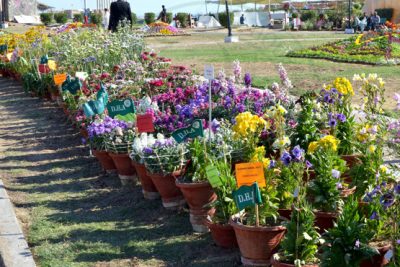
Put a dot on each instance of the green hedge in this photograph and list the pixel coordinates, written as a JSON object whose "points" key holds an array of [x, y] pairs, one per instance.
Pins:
{"points": [[222, 17], [386, 13], [308, 15], [61, 17], [96, 18], [78, 17], [149, 17], [134, 18], [183, 19], [169, 17], [46, 18]]}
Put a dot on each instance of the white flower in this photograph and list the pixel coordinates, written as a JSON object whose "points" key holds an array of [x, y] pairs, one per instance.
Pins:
{"points": [[118, 131]]}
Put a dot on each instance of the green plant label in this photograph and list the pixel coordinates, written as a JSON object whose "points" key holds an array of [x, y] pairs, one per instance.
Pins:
{"points": [[120, 107], [98, 106], [193, 131], [3, 48], [71, 85], [44, 59], [247, 196], [212, 174]]}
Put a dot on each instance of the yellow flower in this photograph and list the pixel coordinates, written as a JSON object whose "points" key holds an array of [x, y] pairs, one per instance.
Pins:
{"points": [[246, 124], [383, 169], [343, 85], [281, 109], [259, 156], [371, 149], [312, 147], [329, 141]]}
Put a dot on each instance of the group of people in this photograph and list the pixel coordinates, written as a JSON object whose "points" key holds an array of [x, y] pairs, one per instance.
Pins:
{"points": [[368, 23]]}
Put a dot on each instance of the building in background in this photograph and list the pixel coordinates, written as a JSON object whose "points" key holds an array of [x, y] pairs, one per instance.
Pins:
{"points": [[371, 5], [11, 8]]}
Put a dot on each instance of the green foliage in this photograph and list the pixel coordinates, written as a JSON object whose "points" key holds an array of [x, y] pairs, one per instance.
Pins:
{"points": [[96, 18], [61, 17], [268, 210], [386, 13], [301, 239], [169, 17], [346, 244], [306, 130], [308, 15], [225, 205], [295, 15], [287, 181], [149, 17], [46, 18], [134, 18], [183, 19], [78, 17], [223, 18], [200, 160]]}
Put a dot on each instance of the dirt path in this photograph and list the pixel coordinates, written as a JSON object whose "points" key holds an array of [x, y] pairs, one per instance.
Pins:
{"points": [[72, 214]]}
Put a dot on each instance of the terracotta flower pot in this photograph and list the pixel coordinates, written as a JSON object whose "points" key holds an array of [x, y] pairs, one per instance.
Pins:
{"points": [[351, 160], [105, 160], [324, 220], [126, 171], [148, 188], [285, 213], [171, 196], [377, 260], [223, 235], [276, 263], [257, 244], [197, 195]]}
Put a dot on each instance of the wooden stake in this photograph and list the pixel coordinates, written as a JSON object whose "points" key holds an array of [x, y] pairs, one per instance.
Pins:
{"points": [[257, 217]]}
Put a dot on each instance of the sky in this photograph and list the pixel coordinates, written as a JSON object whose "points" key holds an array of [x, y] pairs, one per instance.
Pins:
{"points": [[142, 6]]}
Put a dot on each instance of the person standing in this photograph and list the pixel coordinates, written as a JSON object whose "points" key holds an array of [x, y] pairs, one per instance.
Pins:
{"points": [[163, 15], [119, 11], [242, 19], [375, 20], [106, 18]]}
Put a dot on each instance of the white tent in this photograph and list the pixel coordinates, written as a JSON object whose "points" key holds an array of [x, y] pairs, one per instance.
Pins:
{"points": [[260, 19], [208, 22]]}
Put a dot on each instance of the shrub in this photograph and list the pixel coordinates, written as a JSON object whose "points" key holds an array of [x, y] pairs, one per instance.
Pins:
{"points": [[183, 19], [78, 17], [295, 16], [386, 13], [169, 17], [96, 18], [224, 20], [308, 15], [149, 17], [134, 18], [61, 17], [308, 25], [46, 18]]}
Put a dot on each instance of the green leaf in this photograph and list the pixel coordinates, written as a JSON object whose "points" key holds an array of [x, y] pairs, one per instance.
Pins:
{"points": [[307, 236]]}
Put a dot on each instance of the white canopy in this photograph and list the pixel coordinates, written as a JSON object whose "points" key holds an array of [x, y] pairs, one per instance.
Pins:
{"points": [[208, 22]]}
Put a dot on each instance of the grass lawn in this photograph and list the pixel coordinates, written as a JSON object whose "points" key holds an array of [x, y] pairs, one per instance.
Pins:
{"points": [[260, 51]]}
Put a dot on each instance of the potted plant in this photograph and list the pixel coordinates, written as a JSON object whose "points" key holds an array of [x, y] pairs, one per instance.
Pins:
{"points": [[300, 245], [221, 231], [139, 143], [324, 191], [118, 145], [195, 187], [258, 229], [97, 133], [383, 211], [346, 244], [164, 159]]}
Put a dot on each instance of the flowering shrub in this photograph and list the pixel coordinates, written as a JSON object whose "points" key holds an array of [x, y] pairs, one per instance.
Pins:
{"points": [[100, 129]]}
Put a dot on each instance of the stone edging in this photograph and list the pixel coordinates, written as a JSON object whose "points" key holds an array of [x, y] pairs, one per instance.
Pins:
{"points": [[14, 249]]}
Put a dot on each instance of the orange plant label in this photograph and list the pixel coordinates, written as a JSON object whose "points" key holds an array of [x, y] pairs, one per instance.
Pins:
{"points": [[60, 78], [249, 173]]}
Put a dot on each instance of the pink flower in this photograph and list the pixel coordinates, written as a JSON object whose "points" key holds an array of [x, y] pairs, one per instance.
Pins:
{"points": [[397, 98]]}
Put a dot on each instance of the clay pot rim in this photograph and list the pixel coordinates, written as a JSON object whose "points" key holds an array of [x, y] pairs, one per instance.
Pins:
{"points": [[260, 228], [326, 214], [118, 155], [181, 184], [221, 225], [273, 260]]}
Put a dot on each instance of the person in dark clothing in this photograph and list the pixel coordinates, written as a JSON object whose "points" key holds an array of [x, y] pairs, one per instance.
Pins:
{"points": [[119, 11], [242, 19], [163, 15]]}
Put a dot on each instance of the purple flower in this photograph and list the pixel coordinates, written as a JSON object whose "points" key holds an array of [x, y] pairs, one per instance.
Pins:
{"points": [[327, 98], [357, 244], [247, 79], [398, 241], [83, 140], [397, 189], [272, 164], [335, 174], [374, 216], [297, 153], [286, 158], [147, 150], [215, 124], [308, 164], [341, 117], [339, 186], [387, 200], [332, 122]]}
